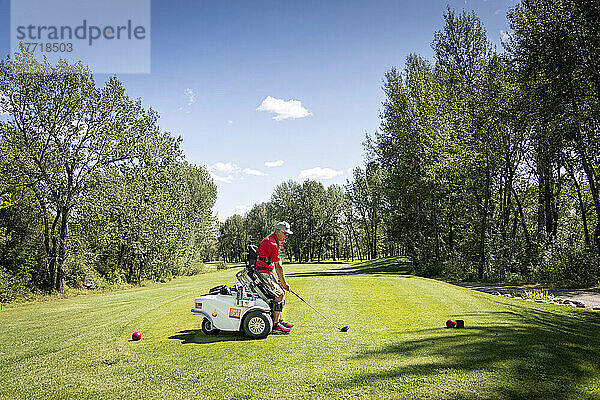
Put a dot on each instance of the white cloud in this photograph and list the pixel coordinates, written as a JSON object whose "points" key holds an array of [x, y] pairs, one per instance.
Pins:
{"points": [[233, 172], [273, 164], [255, 172], [283, 109], [241, 209], [224, 179], [230, 122], [318, 173], [190, 95], [226, 167]]}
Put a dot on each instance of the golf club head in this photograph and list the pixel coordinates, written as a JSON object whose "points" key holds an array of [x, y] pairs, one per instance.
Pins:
{"points": [[344, 329]]}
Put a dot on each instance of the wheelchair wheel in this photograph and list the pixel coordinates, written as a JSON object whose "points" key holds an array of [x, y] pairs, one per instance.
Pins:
{"points": [[208, 327], [257, 325]]}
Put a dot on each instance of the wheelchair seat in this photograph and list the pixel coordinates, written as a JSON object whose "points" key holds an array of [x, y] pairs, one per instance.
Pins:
{"points": [[251, 276]]}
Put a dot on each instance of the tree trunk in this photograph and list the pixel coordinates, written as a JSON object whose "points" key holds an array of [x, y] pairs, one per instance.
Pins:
{"points": [[358, 249], [351, 244], [541, 171], [139, 270], [120, 258], [587, 167], [54, 263], [482, 248], [319, 249], [591, 177], [436, 232], [62, 249], [365, 225], [52, 255], [581, 205], [522, 218], [548, 202], [451, 232], [506, 203], [47, 262], [131, 266], [374, 227]]}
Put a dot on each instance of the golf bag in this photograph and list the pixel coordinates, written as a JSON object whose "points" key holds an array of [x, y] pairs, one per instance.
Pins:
{"points": [[221, 289], [251, 277], [251, 256]]}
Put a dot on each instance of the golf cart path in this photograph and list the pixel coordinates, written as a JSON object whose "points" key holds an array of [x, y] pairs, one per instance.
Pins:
{"points": [[590, 298]]}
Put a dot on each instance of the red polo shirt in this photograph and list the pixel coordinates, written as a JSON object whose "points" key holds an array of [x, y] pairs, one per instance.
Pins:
{"points": [[268, 247]]}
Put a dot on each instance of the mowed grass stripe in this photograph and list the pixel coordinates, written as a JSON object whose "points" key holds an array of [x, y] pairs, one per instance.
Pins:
{"points": [[397, 346], [86, 318], [504, 339]]}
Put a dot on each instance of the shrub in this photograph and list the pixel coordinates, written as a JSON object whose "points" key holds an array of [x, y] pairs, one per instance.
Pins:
{"points": [[13, 286], [193, 269], [537, 295], [566, 264]]}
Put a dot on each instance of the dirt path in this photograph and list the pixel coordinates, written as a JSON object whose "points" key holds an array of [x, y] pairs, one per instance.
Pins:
{"points": [[591, 299]]}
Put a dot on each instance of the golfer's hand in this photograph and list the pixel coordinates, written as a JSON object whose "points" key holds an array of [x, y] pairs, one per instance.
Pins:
{"points": [[285, 286]]}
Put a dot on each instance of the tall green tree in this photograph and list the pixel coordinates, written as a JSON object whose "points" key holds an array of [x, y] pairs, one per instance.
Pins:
{"points": [[555, 48], [259, 222], [286, 202], [148, 222], [465, 57], [62, 132], [366, 195], [233, 239]]}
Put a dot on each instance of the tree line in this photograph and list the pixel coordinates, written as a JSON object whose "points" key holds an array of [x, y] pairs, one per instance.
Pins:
{"points": [[329, 223], [486, 164], [92, 191], [490, 160]]}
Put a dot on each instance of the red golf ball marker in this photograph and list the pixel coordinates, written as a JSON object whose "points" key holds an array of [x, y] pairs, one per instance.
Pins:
{"points": [[450, 323], [136, 336]]}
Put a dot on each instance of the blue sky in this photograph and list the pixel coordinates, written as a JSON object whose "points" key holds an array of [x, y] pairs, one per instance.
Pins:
{"points": [[213, 63]]}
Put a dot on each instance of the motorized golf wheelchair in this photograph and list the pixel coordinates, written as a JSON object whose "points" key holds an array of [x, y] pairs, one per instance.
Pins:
{"points": [[244, 307]]}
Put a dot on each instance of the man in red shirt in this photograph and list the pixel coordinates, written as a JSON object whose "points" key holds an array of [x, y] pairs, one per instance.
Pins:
{"points": [[269, 259]]}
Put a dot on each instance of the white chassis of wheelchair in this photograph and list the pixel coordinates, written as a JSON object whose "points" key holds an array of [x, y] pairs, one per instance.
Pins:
{"points": [[243, 307]]}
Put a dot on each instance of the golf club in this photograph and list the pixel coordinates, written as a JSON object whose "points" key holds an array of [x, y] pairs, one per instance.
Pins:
{"points": [[342, 329]]}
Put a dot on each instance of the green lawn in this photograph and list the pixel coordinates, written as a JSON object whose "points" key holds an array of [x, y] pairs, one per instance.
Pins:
{"points": [[397, 346]]}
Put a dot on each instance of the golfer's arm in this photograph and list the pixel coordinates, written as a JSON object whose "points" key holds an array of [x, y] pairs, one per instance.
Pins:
{"points": [[279, 271]]}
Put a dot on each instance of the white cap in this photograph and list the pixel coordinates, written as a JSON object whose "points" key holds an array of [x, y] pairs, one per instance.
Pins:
{"points": [[283, 226]]}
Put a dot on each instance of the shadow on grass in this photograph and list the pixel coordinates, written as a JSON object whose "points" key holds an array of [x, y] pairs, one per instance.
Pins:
{"points": [[199, 337], [530, 353], [382, 266]]}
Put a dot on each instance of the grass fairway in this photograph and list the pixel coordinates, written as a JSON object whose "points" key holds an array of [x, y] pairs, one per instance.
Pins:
{"points": [[397, 346]]}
